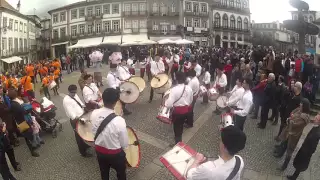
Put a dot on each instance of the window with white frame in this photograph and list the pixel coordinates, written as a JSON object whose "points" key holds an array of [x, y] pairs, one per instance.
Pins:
{"points": [[189, 23], [62, 32], [74, 14], [81, 29], [55, 34], [4, 43], [196, 23], [173, 7], [106, 9], [127, 24], [21, 27], [25, 28], [204, 23], [142, 7], [143, 24], [107, 26], [188, 6], [5, 21], [155, 8], [10, 24], [81, 12], [127, 8], [163, 9], [173, 26], [155, 26], [89, 28], [203, 7], [135, 7], [10, 44], [62, 16], [196, 7], [135, 24], [89, 11], [98, 10], [115, 26], [115, 8], [74, 30], [98, 28], [55, 18], [16, 25], [164, 29]]}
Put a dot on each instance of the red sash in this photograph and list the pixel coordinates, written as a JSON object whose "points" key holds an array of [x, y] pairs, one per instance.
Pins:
{"points": [[181, 109]]}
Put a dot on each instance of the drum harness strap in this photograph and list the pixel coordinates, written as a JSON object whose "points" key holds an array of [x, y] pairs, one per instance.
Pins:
{"points": [[125, 70], [104, 123], [235, 169]]}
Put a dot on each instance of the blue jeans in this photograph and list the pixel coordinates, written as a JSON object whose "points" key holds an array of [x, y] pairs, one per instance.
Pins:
{"points": [[36, 140]]}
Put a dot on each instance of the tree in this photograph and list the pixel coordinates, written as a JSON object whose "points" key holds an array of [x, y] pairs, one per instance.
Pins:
{"points": [[262, 38]]}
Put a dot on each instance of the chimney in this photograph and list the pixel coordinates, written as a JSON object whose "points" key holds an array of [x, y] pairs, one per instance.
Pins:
{"points": [[18, 6]]}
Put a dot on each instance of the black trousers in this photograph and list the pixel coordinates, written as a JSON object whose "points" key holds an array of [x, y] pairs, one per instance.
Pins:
{"points": [[275, 113], [125, 110], [115, 161], [46, 92], [12, 157], [239, 121], [283, 118], [190, 118], [4, 168], [178, 121], [82, 146], [264, 115], [151, 94]]}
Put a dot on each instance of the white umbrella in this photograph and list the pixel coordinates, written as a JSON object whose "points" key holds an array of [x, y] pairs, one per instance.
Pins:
{"points": [[130, 44], [183, 41], [166, 41], [147, 42]]}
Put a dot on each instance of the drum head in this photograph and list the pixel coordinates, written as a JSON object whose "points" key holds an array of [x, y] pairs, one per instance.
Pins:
{"points": [[159, 80], [129, 92], [85, 129], [221, 101], [118, 109], [133, 152], [139, 82]]}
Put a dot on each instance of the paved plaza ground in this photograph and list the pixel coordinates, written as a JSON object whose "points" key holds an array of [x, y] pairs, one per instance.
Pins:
{"points": [[60, 160]]}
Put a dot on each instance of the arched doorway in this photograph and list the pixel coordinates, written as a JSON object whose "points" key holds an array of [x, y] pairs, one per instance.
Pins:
{"points": [[217, 40]]}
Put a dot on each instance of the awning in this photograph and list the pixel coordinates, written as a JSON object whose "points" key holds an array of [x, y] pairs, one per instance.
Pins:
{"points": [[173, 38], [90, 42], [12, 59], [134, 38], [114, 40], [57, 44], [244, 43]]}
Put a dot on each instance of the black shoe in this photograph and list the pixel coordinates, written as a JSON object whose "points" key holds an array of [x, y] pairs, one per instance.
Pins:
{"points": [[87, 155], [260, 126], [18, 167], [291, 178], [149, 101], [187, 126], [35, 154], [127, 113], [270, 119], [42, 142], [254, 117], [172, 145], [274, 123]]}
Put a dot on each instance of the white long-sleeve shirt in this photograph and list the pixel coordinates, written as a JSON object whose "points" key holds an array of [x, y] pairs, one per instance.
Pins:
{"points": [[72, 108], [175, 58], [215, 170], [90, 92], [221, 81], [112, 80], [114, 135], [244, 104], [235, 95], [198, 68], [206, 78], [123, 73], [176, 92], [195, 85], [156, 67]]}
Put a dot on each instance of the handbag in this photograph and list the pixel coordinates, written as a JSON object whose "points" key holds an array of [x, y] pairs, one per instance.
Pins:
{"points": [[23, 126]]}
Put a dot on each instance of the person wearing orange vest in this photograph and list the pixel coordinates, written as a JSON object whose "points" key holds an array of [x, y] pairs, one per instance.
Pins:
{"points": [[30, 72], [43, 71], [26, 82], [11, 82], [45, 85], [52, 78]]}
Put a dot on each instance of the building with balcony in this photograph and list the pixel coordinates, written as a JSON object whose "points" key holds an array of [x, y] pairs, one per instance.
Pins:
{"points": [[231, 23], [164, 19], [196, 21], [85, 24], [281, 39], [45, 38], [17, 35], [310, 40]]}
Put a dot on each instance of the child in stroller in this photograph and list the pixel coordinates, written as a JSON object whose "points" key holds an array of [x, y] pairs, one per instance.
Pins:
{"points": [[45, 113]]}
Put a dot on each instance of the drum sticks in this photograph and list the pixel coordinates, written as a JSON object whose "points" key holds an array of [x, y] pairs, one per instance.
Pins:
{"points": [[135, 143]]}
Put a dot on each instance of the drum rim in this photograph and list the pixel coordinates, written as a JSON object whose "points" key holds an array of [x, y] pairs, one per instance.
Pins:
{"points": [[139, 149], [77, 126], [164, 83], [121, 108], [136, 76], [138, 94], [220, 98]]}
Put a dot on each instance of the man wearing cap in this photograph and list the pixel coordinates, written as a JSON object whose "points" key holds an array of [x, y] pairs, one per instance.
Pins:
{"points": [[111, 136], [114, 79], [228, 165]]}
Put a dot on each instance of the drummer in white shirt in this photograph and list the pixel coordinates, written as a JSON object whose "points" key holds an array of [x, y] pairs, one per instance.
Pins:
{"points": [[243, 105], [111, 136], [228, 165], [195, 86], [156, 67], [74, 109], [206, 82], [123, 71], [195, 65], [220, 83], [91, 93], [180, 99], [236, 93], [115, 77]]}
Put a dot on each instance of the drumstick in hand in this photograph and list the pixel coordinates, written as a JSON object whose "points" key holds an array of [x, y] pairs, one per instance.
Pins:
{"points": [[135, 143]]}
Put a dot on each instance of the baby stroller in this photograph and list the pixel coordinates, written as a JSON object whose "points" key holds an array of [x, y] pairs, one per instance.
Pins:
{"points": [[45, 113]]}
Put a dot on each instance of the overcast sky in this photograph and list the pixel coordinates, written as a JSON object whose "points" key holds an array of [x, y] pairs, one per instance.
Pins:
{"points": [[262, 10]]}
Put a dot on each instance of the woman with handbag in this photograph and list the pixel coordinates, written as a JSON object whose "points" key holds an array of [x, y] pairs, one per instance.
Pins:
{"points": [[24, 127]]}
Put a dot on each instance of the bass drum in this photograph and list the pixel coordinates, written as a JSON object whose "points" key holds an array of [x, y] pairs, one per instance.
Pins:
{"points": [[164, 114], [129, 92], [161, 83], [138, 81], [213, 94], [133, 154]]}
